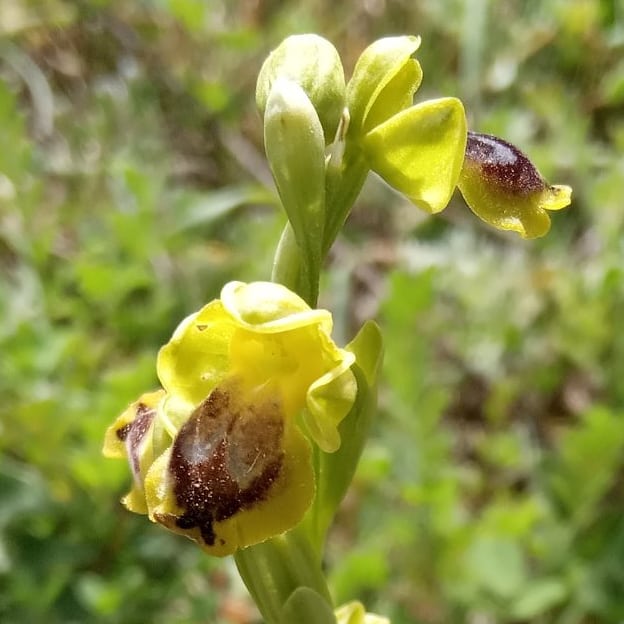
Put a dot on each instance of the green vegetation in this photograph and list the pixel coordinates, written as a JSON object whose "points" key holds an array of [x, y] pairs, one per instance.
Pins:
{"points": [[133, 185]]}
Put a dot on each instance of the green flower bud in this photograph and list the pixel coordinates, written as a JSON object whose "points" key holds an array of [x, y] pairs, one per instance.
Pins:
{"points": [[314, 64], [503, 187], [293, 139]]}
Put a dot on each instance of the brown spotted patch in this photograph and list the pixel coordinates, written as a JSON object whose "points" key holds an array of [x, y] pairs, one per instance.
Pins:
{"points": [[122, 432], [503, 164], [224, 460]]}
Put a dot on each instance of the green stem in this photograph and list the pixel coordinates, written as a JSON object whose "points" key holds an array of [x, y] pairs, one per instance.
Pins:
{"points": [[287, 260], [343, 184], [283, 574], [290, 269], [274, 569]]}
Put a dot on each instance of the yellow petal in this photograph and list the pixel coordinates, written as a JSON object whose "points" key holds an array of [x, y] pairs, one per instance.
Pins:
{"points": [[385, 63], [196, 358], [329, 400], [354, 613], [267, 307], [420, 151]]}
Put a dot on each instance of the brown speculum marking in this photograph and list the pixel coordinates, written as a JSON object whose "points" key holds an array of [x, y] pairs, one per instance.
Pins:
{"points": [[224, 460], [503, 164]]}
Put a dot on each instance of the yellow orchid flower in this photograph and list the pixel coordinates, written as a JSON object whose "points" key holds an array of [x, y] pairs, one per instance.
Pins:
{"points": [[222, 454]]}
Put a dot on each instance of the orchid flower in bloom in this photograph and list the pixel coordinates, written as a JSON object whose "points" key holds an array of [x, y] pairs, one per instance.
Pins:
{"points": [[222, 454], [425, 150]]}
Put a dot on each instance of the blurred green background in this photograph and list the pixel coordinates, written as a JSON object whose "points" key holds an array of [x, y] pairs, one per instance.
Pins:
{"points": [[133, 185]]}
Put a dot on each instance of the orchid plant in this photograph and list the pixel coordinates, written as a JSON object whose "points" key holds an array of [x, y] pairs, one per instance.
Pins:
{"points": [[252, 441]]}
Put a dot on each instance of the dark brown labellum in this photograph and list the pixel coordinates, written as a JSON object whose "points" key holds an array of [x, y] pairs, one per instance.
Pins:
{"points": [[503, 164], [225, 459]]}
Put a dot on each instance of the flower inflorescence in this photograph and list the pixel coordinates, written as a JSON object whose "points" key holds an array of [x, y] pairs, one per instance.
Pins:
{"points": [[251, 443]]}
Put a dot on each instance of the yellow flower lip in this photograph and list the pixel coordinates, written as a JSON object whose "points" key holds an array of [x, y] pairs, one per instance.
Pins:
{"points": [[132, 436], [556, 197], [503, 187], [224, 460], [129, 429], [236, 473]]}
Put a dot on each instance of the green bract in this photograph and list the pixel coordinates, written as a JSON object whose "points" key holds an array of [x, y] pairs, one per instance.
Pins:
{"points": [[223, 453], [334, 471], [314, 64]]}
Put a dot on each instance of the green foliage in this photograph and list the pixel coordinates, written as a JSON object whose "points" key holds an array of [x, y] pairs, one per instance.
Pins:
{"points": [[131, 189]]}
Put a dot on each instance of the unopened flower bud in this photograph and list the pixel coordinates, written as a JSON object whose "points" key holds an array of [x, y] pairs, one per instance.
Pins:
{"points": [[314, 64], [293, 141]]}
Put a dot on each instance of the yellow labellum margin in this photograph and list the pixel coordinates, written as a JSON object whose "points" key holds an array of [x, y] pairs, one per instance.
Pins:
{"points": [[225, 458], [236, 474]]}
